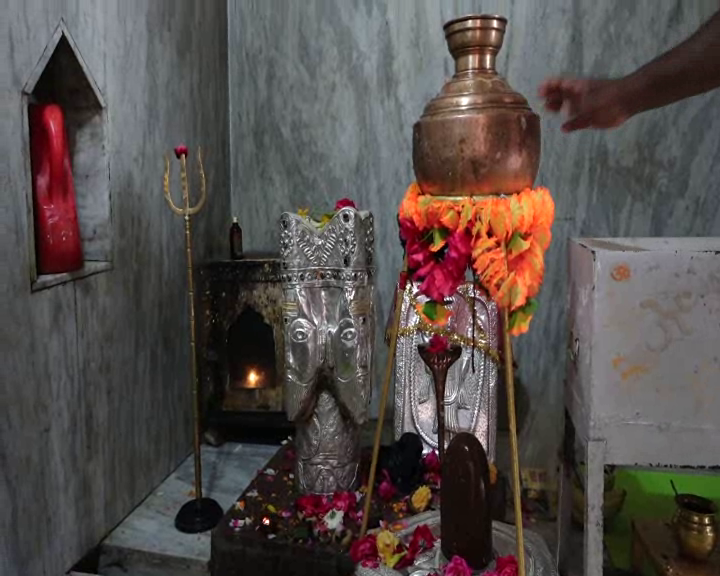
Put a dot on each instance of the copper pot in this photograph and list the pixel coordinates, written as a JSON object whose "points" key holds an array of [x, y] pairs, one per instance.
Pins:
{"points": [[695, 526], [478, 136]]}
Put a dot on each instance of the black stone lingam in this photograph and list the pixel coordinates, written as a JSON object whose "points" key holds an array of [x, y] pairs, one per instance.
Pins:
{"points": [[465, 513], [403, 462]]}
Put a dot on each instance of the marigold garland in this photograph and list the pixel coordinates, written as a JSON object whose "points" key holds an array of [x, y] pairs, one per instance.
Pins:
{"points": [[502, 238]]}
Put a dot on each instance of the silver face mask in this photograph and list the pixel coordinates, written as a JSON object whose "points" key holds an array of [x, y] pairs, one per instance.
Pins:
{"points": [[471, 386], [328, 316]]}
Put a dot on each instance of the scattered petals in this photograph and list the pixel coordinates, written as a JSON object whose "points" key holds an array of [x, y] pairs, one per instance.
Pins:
{"points": [[387, 542], [364, 551], [386, 490], [506, 566], [237, 523], [333, 520], [421, 498], [457, 567], [431, 461]]}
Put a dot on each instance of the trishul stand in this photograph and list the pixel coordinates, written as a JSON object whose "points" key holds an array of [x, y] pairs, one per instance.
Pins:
{"points": [[200, 514]]}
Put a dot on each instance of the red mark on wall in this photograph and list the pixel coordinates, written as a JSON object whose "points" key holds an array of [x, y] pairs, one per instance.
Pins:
{"points": [[621, 273]]}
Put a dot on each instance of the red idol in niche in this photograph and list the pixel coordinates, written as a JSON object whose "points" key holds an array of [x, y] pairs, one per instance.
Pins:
{"points": [[57, 234]]}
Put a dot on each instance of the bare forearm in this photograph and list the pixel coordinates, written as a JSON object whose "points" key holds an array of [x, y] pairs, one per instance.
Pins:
{"points": [[689, 69]]}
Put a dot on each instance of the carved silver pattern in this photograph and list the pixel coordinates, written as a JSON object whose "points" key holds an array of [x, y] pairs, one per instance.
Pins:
{"points": [[538, 560], [470, 396], [328, 317]]}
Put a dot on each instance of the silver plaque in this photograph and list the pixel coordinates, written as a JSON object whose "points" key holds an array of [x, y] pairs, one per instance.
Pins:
{"points": [[471, 387]]}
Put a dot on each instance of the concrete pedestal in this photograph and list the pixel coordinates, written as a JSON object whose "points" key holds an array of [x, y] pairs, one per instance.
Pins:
{"points": [[643, 381]]}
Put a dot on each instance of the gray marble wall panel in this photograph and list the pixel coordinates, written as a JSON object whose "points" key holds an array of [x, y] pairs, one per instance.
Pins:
{"points": [[323, 95], [94, 383]]}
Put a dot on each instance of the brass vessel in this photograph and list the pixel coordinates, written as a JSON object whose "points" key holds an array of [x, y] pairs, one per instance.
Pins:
{"points": [[478, 136], [695, 526]]}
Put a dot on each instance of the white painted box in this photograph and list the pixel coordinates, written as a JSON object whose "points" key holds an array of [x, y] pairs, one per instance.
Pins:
{"points": [[644, 348]]}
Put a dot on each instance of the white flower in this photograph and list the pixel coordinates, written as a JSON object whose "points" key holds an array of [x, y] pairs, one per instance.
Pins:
{"points": [[252, 494], [270, 472], [334, 520]]}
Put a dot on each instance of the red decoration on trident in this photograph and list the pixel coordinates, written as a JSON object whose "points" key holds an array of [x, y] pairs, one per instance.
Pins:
{"points": [[57, 234]]}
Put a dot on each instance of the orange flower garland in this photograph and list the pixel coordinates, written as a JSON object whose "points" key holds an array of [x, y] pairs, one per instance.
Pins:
{"points": [[507, 235]]}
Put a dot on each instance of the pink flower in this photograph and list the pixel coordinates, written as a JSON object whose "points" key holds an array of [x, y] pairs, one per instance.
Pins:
{"points": [[364, 551], [506, 566], [387, 489], [422, 539], [312, 505], [437, 344], [438, 283], [459, 251], [344, 501], [433, 479], [418, 252], [431, 461], [457, 567], [181, 151], [344, 203]]}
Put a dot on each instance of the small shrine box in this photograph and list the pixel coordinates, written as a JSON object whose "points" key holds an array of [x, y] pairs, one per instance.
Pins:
{"points": [[644, 349]]}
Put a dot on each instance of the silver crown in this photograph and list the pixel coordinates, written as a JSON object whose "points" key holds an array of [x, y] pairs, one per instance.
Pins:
{"points": [[339, 252]]}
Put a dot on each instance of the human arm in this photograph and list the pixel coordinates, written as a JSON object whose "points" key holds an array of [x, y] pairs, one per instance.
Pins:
{"points": [[689, 69]]}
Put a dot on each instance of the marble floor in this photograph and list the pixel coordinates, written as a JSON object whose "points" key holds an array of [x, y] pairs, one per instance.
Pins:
{"points": [[146, 543]]}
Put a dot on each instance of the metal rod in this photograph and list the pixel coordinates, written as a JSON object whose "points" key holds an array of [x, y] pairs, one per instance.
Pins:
{"points": [[383, 402], [510, 384]]}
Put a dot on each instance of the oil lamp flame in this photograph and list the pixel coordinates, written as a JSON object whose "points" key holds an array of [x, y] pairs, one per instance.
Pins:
{"points": [[254, 379]]}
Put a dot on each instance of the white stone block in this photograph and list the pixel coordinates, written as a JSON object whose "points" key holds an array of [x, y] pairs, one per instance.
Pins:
{"points": [[644, 348]]}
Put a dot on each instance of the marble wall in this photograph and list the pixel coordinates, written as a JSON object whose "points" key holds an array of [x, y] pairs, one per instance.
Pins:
{"points": [[94, 379], [323, 95]]}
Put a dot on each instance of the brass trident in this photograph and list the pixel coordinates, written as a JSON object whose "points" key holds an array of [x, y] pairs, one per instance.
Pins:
{"points": [[186, 211]]}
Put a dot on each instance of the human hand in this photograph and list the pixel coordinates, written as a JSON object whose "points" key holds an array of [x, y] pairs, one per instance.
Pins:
{"points": [[587, 103]]}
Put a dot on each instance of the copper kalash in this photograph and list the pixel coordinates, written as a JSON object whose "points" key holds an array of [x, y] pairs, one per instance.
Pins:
{"points": [[327, 279], [478, 136]]}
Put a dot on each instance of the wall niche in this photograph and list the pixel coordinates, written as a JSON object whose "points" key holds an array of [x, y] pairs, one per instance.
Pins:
{"points": [[62, 77]]}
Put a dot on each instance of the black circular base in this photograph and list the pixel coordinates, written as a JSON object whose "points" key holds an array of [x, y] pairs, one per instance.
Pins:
{"points": [[198, 516]]}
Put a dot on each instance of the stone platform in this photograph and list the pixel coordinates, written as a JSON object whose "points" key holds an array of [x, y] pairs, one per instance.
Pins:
{"points": [[146, 543]]}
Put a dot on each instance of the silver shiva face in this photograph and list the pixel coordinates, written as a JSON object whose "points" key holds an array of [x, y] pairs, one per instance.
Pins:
{"points": [[329, 328]]}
